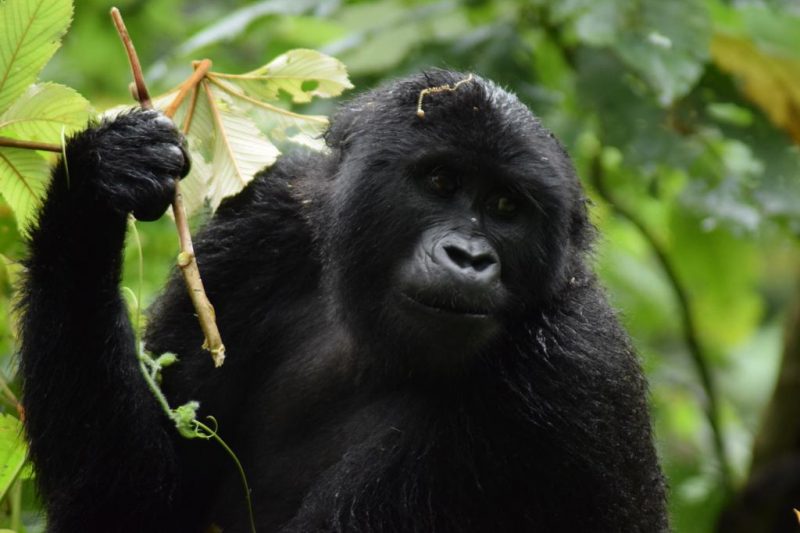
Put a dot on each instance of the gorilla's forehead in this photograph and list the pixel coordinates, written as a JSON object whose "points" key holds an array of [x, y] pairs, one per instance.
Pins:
{"points": [[478, 119]]}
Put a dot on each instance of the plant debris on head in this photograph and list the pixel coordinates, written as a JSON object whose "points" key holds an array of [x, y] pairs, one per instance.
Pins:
{"points": [[440, 89]]}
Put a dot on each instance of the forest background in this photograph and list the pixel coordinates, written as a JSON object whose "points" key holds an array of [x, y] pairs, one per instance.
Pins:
{"points": [[683, 119]]}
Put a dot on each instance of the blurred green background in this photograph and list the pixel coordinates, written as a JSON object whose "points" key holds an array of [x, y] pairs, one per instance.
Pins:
{"points": [[683, 119]]}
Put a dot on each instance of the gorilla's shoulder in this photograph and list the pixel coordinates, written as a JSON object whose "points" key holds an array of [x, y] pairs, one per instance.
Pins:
{"points": [[274, 191]]}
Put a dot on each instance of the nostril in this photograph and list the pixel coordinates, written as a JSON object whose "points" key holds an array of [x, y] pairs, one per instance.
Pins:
{"points": [[465, 260], [482, 262], [458, 256]]}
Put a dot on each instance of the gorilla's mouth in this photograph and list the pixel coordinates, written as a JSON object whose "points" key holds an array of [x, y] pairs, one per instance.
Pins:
{"points": [[450, 307]]}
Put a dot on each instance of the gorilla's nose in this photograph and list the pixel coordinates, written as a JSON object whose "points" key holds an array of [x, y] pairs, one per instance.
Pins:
{"points": [[471, 259]]}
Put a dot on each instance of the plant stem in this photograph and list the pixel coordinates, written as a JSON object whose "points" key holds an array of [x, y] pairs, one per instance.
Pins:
{"points": [[11, 398], [200, 70], [690, 334], [16, 505], [29, 145], [141, 89], [186, 259], [213, 434]]}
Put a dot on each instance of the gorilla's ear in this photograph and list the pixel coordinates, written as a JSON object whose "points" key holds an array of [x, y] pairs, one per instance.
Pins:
{"points": [[346, 124]]}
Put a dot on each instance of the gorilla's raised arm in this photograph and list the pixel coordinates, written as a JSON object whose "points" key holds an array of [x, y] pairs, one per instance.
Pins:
{"points": [[92, 423]]}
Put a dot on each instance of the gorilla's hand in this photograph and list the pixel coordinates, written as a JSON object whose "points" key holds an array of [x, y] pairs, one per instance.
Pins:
{"points": [[130, 163]]}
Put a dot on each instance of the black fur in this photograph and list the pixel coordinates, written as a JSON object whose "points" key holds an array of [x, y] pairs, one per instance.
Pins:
{"points": [[510, 402]]}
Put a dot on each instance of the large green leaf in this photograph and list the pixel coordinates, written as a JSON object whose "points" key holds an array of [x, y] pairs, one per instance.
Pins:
{"points": [[13, 451], [23, 178], [279, 124], [665, 42], [43, 112], [194, 187], [240, 151], [30, 33], [303, 74]]}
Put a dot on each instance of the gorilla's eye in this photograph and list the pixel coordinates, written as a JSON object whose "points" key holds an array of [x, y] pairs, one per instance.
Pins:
{"points": [[442, 184], [503, 205]]}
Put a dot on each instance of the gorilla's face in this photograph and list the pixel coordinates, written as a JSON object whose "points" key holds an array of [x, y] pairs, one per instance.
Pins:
{"points": [[455, 280], [444, 230]]}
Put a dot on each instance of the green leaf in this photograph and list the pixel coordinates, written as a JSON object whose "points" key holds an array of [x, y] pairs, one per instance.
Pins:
{"points": [[665, 43], [668, 46], [30, 33], [184, 417], [280, 124], [13, 451], [771, 81], [43, 111], [303, 74], [725, 301], [23, 179], [240, 151], [195, 186]]}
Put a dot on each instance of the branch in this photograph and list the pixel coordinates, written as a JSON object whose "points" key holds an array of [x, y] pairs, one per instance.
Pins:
{"points": [[29, 145], [141, 89], [779, 433], [690, 335], [186, 258], [200, 70]]}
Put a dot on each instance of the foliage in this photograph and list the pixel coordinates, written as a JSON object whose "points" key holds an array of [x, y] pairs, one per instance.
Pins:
{"points": [[12, 452], [228, 148], [686, 110], [30, 33]]}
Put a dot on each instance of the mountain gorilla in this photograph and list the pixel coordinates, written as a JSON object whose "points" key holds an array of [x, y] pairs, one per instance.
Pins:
{"points": [[415, 339]]}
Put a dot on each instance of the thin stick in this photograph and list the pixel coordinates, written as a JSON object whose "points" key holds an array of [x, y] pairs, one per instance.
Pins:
{"points": [[186, 257], [29, 145], [141, 89], [201, 68], [187, 119]]}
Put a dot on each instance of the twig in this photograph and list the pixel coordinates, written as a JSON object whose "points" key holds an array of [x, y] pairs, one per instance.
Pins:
{"points": [[200, 70], [690, 335], [186, 258], [141, 89], [11, 398], [29, 145]]}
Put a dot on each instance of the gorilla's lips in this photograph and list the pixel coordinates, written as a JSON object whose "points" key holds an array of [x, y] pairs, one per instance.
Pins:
{"points": [[452, 306]]}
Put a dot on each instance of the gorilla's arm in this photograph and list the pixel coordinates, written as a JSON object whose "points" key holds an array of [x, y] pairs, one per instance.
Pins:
{"points": [[92, 423]]}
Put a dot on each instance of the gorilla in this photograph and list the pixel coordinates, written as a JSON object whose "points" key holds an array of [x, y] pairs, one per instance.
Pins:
{"points": [[416, 340]]}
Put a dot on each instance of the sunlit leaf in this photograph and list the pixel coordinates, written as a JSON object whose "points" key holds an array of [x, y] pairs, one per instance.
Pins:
{"points": [[43, 112], [13, 451], [303, 74], [280, 124], [240, 151], [30, 33], [772, 82], [23, 178], [725, 300], [195, 186]]}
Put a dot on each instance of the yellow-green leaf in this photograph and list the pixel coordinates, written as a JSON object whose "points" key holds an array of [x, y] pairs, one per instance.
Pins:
{"points": [[43, 111], [772, 82], [30, 33], [301, 73], [240, 151], [279, 124], [195, 186], [23, 179], [13, 451]]}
